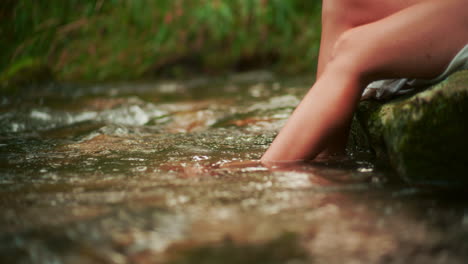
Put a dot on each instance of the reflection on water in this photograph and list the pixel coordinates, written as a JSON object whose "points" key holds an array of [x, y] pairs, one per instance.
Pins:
{"points": [[169, 173]]}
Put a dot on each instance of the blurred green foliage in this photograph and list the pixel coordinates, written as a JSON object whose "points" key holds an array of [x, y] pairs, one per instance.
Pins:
{"points": [[128, 39]]}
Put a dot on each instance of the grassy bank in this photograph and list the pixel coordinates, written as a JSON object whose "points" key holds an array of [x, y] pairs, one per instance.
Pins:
{"points": [[124, 39]]}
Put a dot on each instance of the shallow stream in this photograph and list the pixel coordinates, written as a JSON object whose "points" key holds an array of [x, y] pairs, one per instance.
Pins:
{"points": [[160, 173]]}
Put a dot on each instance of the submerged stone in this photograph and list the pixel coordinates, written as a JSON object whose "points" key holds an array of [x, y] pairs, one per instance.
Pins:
{"points": [[284, 249], [424, 136]]}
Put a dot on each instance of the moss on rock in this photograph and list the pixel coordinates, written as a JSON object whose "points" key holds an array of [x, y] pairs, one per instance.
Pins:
{"points": [[424, 136]]}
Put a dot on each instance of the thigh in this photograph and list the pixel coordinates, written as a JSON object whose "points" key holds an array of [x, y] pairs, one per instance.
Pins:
{"points": [[339, 16], [360, 12], [416, 42]]}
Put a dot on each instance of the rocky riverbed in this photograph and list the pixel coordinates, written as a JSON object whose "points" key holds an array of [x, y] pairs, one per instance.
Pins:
{"points": [[165, 173]]}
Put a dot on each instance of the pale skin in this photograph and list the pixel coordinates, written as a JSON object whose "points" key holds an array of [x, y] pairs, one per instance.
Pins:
{"points": [[363, 41]]}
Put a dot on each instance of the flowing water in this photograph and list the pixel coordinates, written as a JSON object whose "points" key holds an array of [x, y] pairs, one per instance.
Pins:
{"points": [[165, 173]]}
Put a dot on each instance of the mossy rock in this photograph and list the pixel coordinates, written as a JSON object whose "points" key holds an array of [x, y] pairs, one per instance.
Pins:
{"points": [[24, 72], [424, 136]]}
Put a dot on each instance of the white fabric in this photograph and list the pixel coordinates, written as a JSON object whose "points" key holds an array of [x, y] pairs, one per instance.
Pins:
{"points": [[385, 89]]}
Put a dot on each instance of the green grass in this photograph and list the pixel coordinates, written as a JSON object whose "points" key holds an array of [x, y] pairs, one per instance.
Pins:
{"points": [[125, 39]]}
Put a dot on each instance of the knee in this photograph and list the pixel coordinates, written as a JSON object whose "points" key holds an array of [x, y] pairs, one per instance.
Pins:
{"points": [[352, 56]]}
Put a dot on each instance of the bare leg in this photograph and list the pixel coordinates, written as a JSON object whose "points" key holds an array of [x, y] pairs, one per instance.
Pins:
{"points": [[339, 16], [405, 44]]}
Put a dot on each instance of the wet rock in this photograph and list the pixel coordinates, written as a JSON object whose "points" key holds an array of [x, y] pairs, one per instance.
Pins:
{"points": [[424, 136], [285, 249]]}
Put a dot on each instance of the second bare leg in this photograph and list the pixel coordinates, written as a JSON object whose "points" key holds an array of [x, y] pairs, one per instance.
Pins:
{"points": [[405, 44], [339, 16]]}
